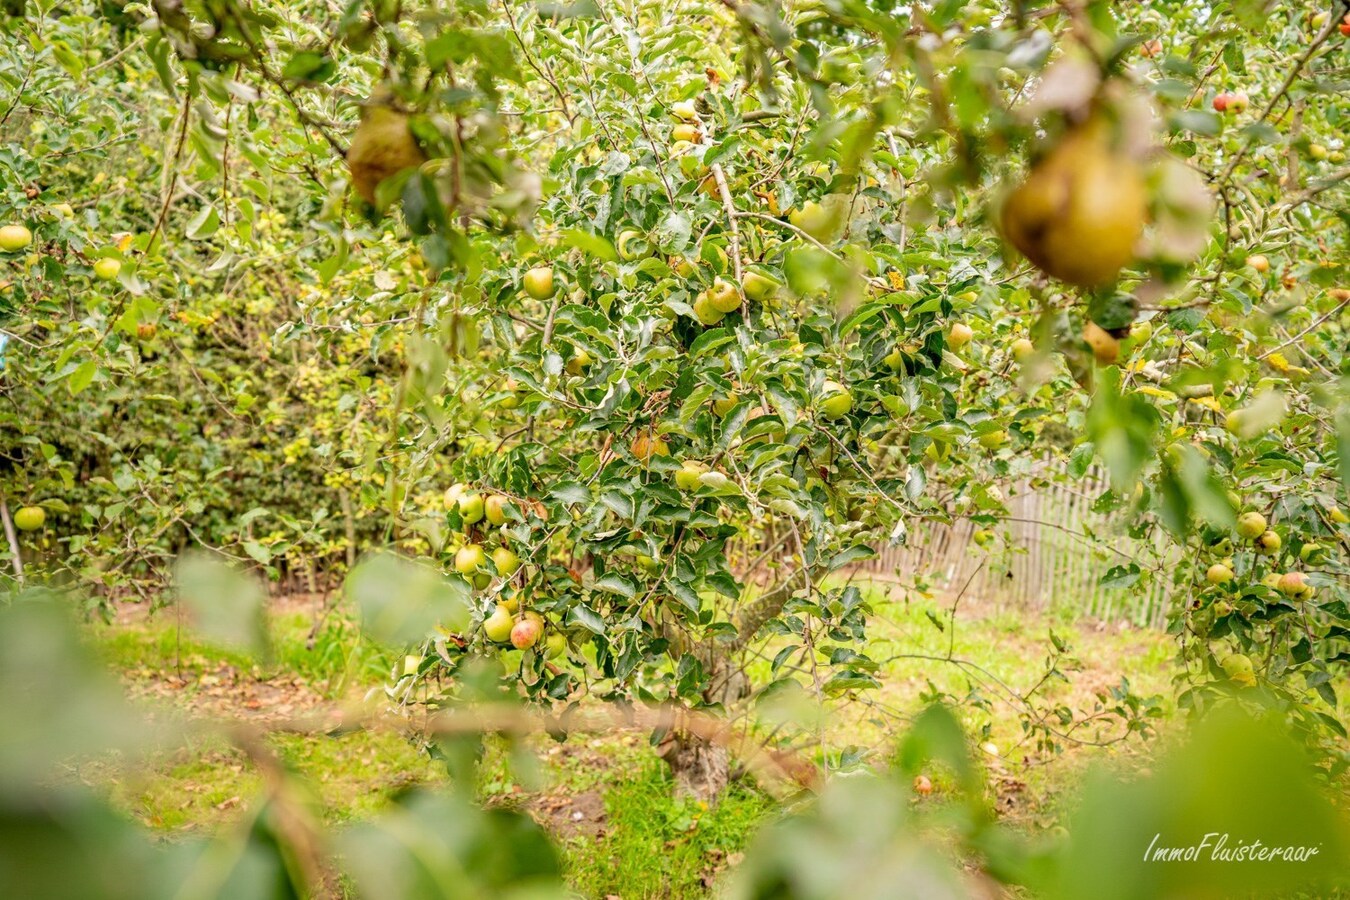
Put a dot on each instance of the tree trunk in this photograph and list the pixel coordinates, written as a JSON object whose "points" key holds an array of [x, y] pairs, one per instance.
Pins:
{"points": [[702, 768], [701, 764]]}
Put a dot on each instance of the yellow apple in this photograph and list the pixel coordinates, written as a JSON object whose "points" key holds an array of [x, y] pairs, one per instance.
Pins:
{"points": [[686, 476], [494, 508], [578, 364], [1105, 345], [30, 518], [647, 444], [14, 237], [1219, 574], [469, 559], [684, 110], [687, 132], [1251, 525], [723, 296], [506, 561], [959, 335], [539, 282]]}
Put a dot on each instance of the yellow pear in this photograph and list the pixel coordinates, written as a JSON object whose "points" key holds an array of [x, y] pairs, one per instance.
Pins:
{"points": [[1080, 210], [382, 146]]}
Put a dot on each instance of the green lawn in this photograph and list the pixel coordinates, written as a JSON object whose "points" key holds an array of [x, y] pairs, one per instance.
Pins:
{"points": [[606, 798]]}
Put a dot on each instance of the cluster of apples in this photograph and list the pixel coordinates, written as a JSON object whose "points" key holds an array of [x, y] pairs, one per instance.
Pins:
{"points": [[14, 238], [471, 559], [505, 624], [538, 282], [712, 304], [1319, 22], [1231, 102], [522, 630]]}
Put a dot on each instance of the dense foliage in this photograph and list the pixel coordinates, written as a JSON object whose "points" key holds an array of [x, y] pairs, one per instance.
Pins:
{"points": [[714, 299]]}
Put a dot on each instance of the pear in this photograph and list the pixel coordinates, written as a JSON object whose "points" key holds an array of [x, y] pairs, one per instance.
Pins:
{"points": [[1080, 210], [382, 146]]}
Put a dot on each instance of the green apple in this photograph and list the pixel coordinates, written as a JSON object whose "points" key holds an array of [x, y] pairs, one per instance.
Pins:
{"points": [[705, 311], [107, 268], [723, 405], [682, 267], [469, 559], [494, 509], [992, 440], [1238, 668], [686, 476], [836, 400], [817, 220], [983, 537], [1251, 525], [539, 282], [498, 626], [758, 287], [470, 507], [895, 361], [506, 561], [555, 644], [30, 518], [14, 237], [578, 364], [632, 245], [1314, 554], [1022, 349], [1219, 574], [723, 296]]}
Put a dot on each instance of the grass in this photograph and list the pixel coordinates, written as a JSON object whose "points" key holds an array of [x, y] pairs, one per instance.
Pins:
{"points": [[657, 846], [606, 798]]}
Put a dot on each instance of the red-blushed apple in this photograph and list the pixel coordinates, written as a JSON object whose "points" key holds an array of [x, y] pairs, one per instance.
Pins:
{"points": [[527, 631]]}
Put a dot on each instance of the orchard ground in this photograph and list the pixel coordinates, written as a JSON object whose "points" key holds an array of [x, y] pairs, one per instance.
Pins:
{"points": [[606, 797]]}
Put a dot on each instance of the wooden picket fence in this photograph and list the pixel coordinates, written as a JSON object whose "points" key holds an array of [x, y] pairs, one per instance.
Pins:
{"points": [[1051, 553]]}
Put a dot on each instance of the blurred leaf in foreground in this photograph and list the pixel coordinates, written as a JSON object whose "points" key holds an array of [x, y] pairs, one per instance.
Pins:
{"points": [[227, 606], [59, 703], [438, 847], [1236, 811], [400, 600]]}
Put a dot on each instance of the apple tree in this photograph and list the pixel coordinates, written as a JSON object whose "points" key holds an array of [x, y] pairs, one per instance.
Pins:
{"points": [[693, 309]]}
